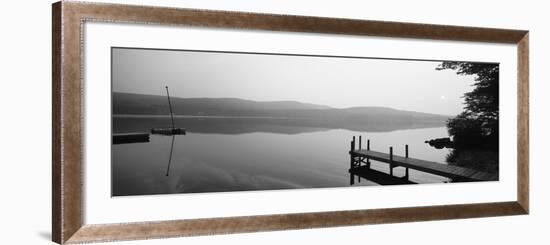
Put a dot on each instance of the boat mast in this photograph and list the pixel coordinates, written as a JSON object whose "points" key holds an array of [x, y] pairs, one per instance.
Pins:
{"points": [[170, 105]]}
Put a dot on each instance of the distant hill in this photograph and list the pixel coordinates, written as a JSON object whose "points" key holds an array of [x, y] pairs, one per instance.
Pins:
{"points": [[126, 103], [304, 114]]}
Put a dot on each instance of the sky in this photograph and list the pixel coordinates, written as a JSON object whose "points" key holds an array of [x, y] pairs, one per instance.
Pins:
{"points": [[333, 81]]}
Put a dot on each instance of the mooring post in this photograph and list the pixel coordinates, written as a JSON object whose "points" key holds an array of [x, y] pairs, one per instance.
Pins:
{"points": [[360, 142], [170, 106], [368, 145], [391, 161]]}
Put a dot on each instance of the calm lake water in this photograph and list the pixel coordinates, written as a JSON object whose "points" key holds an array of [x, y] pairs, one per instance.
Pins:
{"points": [[224, 154]]}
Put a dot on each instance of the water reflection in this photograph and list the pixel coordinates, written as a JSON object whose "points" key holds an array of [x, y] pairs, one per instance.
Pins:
{"points": [[285, 157], [170, 157], [378, 177]]}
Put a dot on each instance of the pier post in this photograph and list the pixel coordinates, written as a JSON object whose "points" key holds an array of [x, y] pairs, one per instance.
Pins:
{"points": [[407, 156], [360, 142], [391, 161], [368, 149], [352, 148]]}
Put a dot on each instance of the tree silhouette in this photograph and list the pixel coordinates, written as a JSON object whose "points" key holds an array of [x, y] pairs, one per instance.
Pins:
{"points": [[475, 130], [477, 125]]}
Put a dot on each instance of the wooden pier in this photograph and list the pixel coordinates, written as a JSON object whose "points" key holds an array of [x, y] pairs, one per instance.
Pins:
{"points": [[364, 156], [127, 138], [144, 137]]}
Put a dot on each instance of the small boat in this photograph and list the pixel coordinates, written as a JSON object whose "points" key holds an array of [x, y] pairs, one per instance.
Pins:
{"points": [[169, 131]]}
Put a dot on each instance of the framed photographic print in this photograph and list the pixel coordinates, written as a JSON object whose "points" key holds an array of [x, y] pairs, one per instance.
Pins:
{"points": [[176, 122]]}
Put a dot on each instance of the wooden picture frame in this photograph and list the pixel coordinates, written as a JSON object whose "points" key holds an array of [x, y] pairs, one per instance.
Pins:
{"points": [[67, 21]]}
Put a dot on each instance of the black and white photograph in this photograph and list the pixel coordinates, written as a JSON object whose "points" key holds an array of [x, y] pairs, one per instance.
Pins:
{"points": [[212, 122], [196, 121]]}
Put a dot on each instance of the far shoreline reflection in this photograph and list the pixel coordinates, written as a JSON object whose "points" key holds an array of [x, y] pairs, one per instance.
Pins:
{"points": [[242, 125]]}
